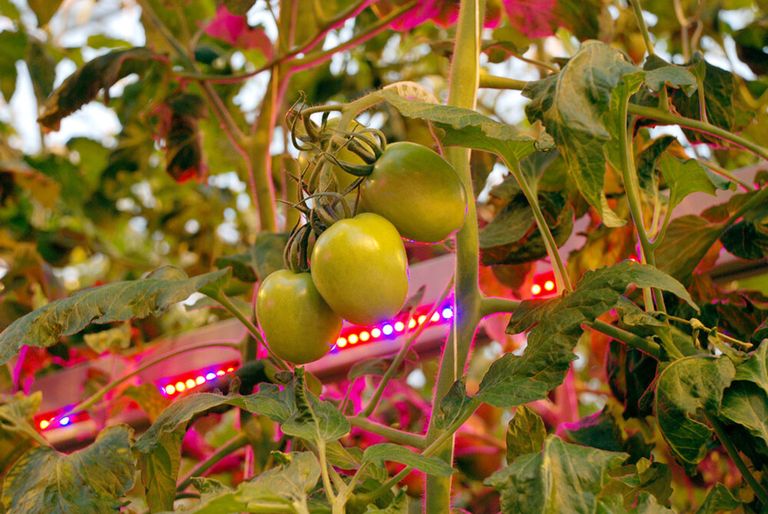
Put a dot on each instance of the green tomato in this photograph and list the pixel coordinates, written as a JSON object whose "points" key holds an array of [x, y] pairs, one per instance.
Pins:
{"points": [[417, 190], [297, 323], [360, 267]]}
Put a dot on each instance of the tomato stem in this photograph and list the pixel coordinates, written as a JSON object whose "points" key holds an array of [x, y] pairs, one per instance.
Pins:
{"points": [[638, 10]]}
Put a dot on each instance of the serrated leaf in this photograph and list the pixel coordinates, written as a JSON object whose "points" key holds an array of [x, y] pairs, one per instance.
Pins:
{"points": [[755, 368], [92, 480], [684, 178], [745, 240], [466, 128], [746, 404], [453, 406], [314, 420], [685, 244], [119, 301], [525, 433], [17, 433], [284, 488], [686, 389], [513, 380], [83, 85], [718, 499], [573, 105], [160, 446], [560, 479], [387, 452]]}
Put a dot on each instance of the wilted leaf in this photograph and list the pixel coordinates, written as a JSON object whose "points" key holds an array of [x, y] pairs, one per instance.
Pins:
{"points": [[119, 301], [687, 389], [92, 480], [525, 433], [284, 488], [82, 86], [465, 127], [573, 105], [513, 380], [562, 478]]}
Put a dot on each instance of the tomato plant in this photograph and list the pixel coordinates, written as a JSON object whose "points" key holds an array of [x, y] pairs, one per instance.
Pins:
{"points": [[383, 256]]}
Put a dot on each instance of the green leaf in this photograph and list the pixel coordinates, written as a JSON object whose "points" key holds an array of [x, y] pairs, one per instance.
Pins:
{"points": [[509, 226], [687, 241], [14, 45], [92, 480], [746, 404], [82, 86], [454, 406], [684, 178], [724, 105], [119, 301], [387, 452], [513, 380], [718, 499], [615, 119], [284, 488], [159, 447], [17, 433], [755, 368], [262, 259], [44, 10], [659, 73], [314, 420], [573, 105], [561, 479], [466, 128], [525, 433], [746, 240], [686, 389]]}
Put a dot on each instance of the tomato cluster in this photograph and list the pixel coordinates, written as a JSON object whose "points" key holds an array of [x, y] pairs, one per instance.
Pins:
{"points": [[357, 268]]}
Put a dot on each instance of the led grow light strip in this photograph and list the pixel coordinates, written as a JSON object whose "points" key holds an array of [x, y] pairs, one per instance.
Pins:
{"points": [[351, 336]]}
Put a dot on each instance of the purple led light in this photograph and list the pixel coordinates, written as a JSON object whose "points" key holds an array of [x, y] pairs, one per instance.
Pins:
{"points": [[447, 313], [64, 421], [387, 329], [210, 376]]}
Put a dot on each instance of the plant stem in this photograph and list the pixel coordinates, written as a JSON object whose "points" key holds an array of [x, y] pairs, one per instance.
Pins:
{"points": [[493, 305], [628, 338], [324, 472], [632, 189], [496, 82], [561, 274], [393, 434], [463, 84], [638, 10], [733, 452], [667, 118], [98, 395], [395, 364], [232, 446]]}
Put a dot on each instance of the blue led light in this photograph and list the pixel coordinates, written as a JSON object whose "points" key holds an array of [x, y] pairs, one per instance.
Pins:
{"points": [[64, 421], [447, 313], [387, 330], [210, 376]]}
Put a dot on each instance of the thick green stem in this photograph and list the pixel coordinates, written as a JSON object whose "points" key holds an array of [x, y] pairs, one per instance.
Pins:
{"points": [[495, 305], [463, 84], [733, 452], [667, 118], [232, 446], [561, 274], [393, 434]]}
